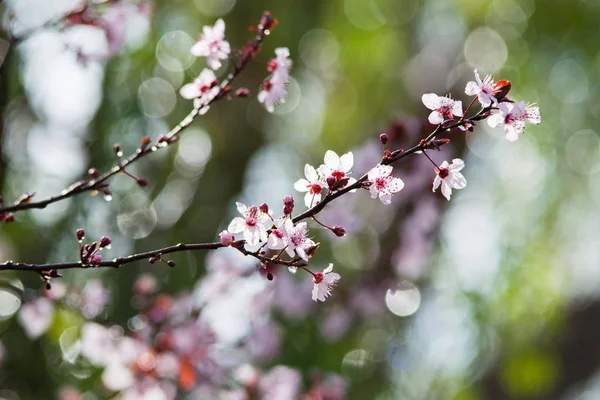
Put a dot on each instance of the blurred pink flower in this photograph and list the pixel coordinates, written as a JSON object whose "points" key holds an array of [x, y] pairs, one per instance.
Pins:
{"points": [[203, 90], [280, 383], [36, 317], [94, 299]]}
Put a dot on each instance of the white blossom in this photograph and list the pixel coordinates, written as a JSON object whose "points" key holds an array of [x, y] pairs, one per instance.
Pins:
{"points": [[274, 87], [281, 65], [383, 183], [203, 90], [484, 90], [336, 166], [212, 45], [36, 316], [443, 107], [324, 282], [313, 186], [449, 177], [252, 224], [513, 117]]}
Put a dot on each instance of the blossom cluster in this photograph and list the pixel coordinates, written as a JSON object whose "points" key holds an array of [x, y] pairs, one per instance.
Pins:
{"points": [[205, 88]]}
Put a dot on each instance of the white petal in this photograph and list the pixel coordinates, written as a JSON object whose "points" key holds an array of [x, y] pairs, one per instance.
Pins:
{"points": [[311, 173], [301, 185], [436, 118], [251, 236], [395, 185], [458, 181], [385, 198], [241, 207], [328, 269], [347, 161], [472, 89], [331, 278], [190, 91], [436, 183], [318, 293], [446, 190], [332, 160], [237, 225], [300, 251], [431, 100], [495, 120], [308, 199], [457, 108], [219, 28], [200, 49], [511, 134], [457, 165]]}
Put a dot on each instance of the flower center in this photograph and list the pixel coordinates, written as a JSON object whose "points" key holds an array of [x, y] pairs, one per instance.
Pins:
{"points": [[446, 111], [338, 174], [444, 172], [379, 183], [318, 277], [315, 188]]}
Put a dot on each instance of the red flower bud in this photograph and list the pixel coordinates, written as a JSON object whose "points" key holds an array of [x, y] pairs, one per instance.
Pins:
{"points": [[383, 138], [339, 231], [80, 234]]}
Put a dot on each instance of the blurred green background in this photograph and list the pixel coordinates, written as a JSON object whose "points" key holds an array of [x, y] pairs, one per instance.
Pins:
{"points": [[505, 280]]}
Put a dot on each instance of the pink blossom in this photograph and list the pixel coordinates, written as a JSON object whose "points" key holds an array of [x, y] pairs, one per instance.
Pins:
{"points": [[278, 238], [281, 65], [94, 299], [383, 183], [227, 239], [274, 87], [513, 118], [36, 316], [273, 92], [324, 282], [297, 240], [484, 90], [449, 177], [252, 224], [212, 45], [203, 90], [313, 186], [443, 107]]}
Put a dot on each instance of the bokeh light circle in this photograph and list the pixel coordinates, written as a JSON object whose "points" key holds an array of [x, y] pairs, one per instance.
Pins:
{"points": [[173, 51], [403, 301], [156, 97], [485, 49], [214, 8], [582, 151], [9, 304], [319, 49]]}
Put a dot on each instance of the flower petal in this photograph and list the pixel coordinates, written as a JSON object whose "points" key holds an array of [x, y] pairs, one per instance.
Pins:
{"points": [[431, 100]]}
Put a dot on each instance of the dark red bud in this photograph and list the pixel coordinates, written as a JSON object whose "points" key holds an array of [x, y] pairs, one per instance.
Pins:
{"points": [[116, 148], [8, 218], [287, 210], [269, 276], [242, 92], [80, 234], [288, 201], [501, 89], [48, 285], [152, 260], [145, 142], [163, 139], [339, 231], [142, 182], [96, 259], [171, 263], [331, 181], [105, 241], [383, 138], [93, 172], [264, 208]]}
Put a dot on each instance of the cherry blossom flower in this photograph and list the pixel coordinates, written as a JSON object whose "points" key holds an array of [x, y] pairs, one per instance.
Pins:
{"points": [[383, 183], [513, 118], [443, 107], [252, 224], [297, 241], [313, 186], [212, 45], [280, 383], [449, 177], [324, 282], [484, 90], [203, 90], [336, 166], [279, 236], [94, 299], [36, 316]]}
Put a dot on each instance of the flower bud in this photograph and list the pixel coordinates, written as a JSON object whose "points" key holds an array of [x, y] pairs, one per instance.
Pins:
{"points": [[287, 210], [145, 142], [339, 231], [96, 259], [105, 241], [269, 276], [80, 234], [331, 181], [264, 208], [8, 218], [163, 139], [93, 172], [383, 138], [117, 149], [227, 238], [242, 92], [171, 263], [288, 201], [48, 285], [152, 260], [501, 89], [142, 182]]}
